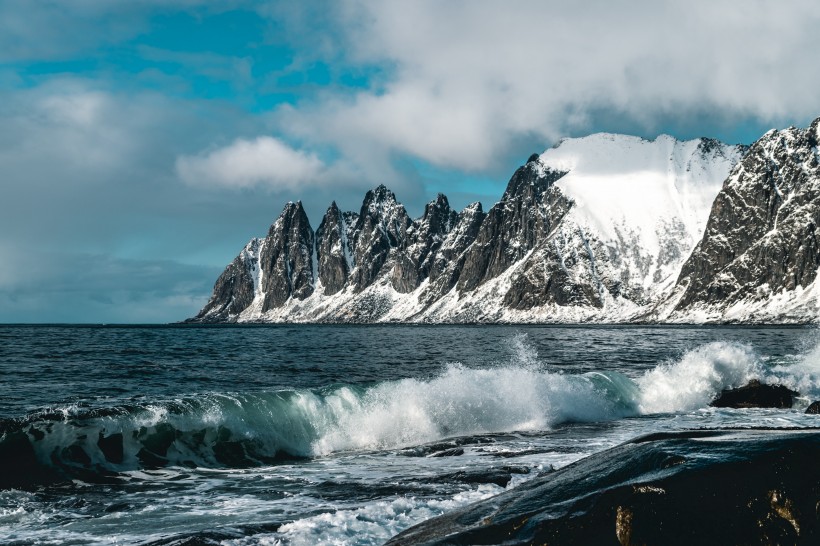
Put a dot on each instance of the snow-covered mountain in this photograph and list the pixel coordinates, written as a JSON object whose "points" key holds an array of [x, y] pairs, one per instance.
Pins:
{"points": [[598, 229], [758, 257]]}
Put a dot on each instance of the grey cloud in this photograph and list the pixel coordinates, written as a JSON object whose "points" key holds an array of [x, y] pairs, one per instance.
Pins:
{"points": [[467, 78]]}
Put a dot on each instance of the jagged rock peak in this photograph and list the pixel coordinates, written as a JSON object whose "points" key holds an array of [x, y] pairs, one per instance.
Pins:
{"points": [[381, 227], [378, 197], [532, 178], [529, 209], [334, 253], [236, 287], [426, 236], [761, 237], [439, 216], [290, 211], [287, 258], [713, 147]]}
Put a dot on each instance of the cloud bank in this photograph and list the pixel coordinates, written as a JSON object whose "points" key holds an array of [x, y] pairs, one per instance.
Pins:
{"points": [[264, 161], [122, 144], [465, 79]]}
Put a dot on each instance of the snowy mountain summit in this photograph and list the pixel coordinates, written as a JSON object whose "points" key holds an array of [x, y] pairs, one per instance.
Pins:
{"points": [[605, 228]]}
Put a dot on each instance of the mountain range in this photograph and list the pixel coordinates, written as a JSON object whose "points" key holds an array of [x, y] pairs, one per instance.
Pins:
{"points": [[606, 228]]}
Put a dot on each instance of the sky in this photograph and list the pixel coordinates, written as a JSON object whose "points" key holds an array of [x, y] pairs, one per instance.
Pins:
{"points": [[143, 143]]}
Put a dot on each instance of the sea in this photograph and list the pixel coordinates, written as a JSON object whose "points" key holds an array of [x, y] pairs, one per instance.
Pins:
{"points": [[326, 434]]}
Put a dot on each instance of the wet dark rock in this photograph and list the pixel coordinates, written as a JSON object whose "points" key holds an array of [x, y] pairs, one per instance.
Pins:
{"points": [[454, 452], [705, 487], [814, 408], [755, 395], [494, 476]]}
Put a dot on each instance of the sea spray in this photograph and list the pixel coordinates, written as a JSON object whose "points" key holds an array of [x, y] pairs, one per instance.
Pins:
{"points": [[803, 375], [219, 430], [694, 380]]}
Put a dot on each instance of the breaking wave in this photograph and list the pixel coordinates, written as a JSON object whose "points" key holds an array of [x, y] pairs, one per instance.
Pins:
{"points": [[251, 429]]}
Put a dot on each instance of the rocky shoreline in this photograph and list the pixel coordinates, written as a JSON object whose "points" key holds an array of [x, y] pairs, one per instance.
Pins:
{"points": [[735, 486]]}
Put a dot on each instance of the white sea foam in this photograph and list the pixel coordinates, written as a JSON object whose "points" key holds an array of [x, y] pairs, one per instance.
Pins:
{"points": [[695, 380], [461, 401], [519, 395], [370, 524], [802, 376]]}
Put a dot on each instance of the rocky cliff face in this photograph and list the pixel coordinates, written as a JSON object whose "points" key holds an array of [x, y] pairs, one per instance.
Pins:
{"points": [[380, 231], [236, 287], [529, 209], [759, 255], [426, 237], [334, 249], [268, 272], [605, 228]]}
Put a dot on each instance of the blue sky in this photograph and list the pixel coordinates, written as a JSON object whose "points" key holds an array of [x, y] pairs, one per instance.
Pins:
{"points": [[143, 143]]}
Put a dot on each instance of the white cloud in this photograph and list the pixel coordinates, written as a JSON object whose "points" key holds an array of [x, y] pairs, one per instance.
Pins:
{"points": [[264, 161], [464, 79]]}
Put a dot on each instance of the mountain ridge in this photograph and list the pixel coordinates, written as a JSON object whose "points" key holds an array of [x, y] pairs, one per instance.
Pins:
{"points": [[595, 229]]}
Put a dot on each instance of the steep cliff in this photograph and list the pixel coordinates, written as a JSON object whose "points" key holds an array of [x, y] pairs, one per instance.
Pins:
{"points": [[594, 229]]}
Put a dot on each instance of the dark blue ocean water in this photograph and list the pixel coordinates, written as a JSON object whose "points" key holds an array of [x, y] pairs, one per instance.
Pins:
{"points": [[339, 434]]}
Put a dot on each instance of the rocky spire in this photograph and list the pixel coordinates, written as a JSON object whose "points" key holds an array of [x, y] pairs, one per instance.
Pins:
{"points": [[426, 236], [380, 229], [334, 250], [287, 258], [236, 286]]}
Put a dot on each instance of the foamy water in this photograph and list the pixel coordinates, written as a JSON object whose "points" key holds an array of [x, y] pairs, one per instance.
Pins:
{"points": [[354, 462]]}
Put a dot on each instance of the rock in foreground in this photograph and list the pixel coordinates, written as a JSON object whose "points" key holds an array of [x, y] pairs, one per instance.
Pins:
{"points": [[755, 395], [697, 487]]}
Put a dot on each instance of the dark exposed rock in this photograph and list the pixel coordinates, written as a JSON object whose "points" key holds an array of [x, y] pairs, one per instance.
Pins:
{"points": [[755, 395], [287, 258], [565, 270], [529, 209], [235, 288], [334, 253], [380, 229], [495, 476], [426, 237], [454, 452], [761, 236], [279, 267], [748, 487], [814, 408], [448, 262]]}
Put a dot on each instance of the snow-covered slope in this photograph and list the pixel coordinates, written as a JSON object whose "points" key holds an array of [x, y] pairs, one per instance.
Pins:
{"points": [[593, 229], [646, 201]]}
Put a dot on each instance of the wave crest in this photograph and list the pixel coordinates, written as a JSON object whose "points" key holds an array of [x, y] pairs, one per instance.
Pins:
{"points": [[251, 429]]}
